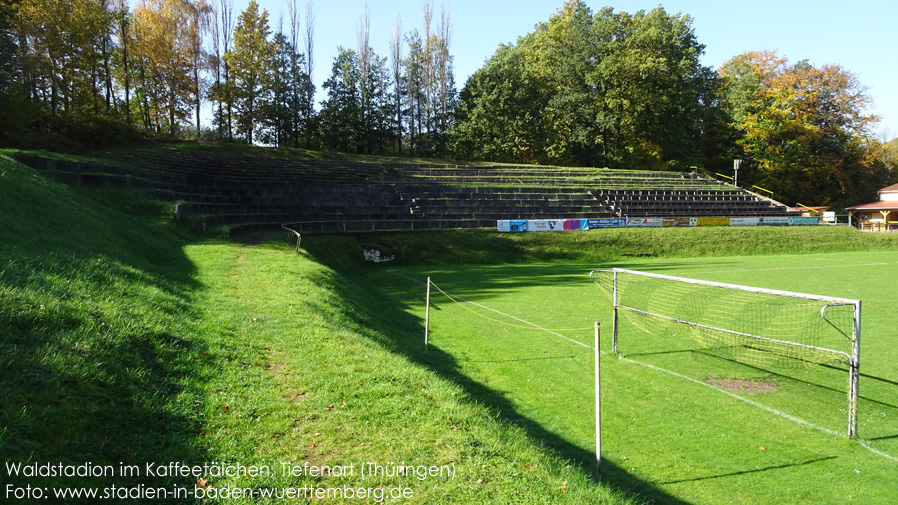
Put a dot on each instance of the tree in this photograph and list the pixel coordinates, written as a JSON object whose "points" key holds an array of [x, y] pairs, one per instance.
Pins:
{"points": [[15, 112], [168, 43], [250, 63], [60, 52], [198, 22], [396, 72], [223, 91], [804, 128], [500, 115], [609, 89], [286, 113], [341, 116]]}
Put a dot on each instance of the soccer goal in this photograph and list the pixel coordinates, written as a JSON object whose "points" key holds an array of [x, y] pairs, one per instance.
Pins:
{"points": [[762, 328]]}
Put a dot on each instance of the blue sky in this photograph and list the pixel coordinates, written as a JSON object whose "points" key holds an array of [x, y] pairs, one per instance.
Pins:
{"points": [[861, 36]]}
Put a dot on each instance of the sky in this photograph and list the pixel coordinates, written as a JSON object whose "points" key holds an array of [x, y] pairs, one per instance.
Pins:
{"points": [[861, 36]]}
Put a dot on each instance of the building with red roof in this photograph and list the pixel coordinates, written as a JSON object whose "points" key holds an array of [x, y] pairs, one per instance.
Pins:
{"points": [[878, 216]]}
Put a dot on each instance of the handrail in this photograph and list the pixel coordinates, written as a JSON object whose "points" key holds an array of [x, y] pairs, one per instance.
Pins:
{"points": [[806, 207], [298, 235]]}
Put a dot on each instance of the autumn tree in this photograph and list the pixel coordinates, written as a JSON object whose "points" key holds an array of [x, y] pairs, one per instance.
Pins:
{"points": [[250, 65], [168, 46], [198, 22], [804, 128], [13, 100], [59, 52]]}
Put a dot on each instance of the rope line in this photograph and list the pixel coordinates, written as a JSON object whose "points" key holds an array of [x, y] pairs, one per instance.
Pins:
{"points": [[503, 322]]}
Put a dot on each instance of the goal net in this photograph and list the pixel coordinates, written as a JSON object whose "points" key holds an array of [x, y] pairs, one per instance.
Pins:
{"points": [[762, 328]]}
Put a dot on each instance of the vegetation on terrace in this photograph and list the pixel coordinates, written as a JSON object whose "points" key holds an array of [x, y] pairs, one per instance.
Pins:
{"points": [[242, 188]]}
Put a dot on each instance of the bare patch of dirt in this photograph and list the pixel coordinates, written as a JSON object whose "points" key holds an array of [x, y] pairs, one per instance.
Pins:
{"points": [[278, 370], [744, 385]]}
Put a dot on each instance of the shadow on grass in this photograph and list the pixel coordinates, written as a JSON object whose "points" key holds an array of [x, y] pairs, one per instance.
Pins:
{"points": [[402, 333], [756, 470], [96, 360]]}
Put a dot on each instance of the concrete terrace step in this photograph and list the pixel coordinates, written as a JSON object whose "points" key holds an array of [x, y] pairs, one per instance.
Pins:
{"points": [[228, 189]]}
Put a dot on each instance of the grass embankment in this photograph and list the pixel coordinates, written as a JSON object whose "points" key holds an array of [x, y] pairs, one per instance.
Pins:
{"points": [[478, 247], [125, 341]]}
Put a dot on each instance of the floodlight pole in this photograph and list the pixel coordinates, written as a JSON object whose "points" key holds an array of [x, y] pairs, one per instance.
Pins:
{"points": [[427, 316], [598, 405]]}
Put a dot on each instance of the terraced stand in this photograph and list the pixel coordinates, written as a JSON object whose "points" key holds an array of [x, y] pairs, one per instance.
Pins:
{"points": [[241, 193]]}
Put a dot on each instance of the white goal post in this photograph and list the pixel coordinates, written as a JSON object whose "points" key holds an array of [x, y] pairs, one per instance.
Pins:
{"points": [[757, 326]]}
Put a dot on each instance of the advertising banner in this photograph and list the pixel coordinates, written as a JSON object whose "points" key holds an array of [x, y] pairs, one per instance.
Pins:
{"points": [[576, 224], [744, 221], [773, 221], [545, 225], [801, 221], [645, 221], [514, 225], [713, 221], [606, 223]]}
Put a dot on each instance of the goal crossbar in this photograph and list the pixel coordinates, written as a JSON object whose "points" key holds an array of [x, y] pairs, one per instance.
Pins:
{"points": [[792, 294]]}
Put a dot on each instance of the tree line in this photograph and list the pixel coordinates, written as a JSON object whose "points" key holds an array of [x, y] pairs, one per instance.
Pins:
{"points": [[613, 89], [603, 88], [96, 70]]}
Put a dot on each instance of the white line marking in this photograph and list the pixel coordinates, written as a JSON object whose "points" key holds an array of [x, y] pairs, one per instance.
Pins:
{"points": [[848, 265], [732, 395]]}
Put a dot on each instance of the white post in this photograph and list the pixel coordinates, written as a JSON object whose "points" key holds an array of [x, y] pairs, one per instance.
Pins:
{"points": [[854, 372], [598, 406], [427, 316], [614, 316]]}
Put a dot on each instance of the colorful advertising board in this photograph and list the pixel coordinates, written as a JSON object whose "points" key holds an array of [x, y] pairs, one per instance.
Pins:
{"points": [[607, 223], [512, 225], [774, 221], [545, 225], [522, 225], [641, 222], [576, 224], [712, 221], [803, 221]]}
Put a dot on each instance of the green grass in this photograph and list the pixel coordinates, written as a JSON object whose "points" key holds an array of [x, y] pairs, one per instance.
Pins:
{"points": [[666, 437], [476, 247], [126, 338]]}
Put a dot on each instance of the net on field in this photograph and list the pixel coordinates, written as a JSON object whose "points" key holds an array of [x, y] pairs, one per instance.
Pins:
{"points": [[752, 327]]}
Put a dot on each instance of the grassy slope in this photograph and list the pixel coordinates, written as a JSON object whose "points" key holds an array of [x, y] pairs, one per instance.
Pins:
{"points": [[95, 348], [121, 342], [479, 248]]}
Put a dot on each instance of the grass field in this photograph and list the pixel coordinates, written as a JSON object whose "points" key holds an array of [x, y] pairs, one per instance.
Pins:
{"points": [[667, 433], [126, 338]]}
